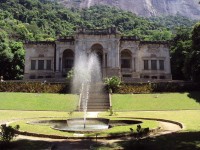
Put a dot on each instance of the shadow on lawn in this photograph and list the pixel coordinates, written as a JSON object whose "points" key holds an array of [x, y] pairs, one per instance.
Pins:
{"points": [[195, 95], [45, 145], [175, 141]]}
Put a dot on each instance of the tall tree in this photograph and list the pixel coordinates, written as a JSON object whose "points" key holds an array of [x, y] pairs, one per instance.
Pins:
{"points": [[195, 58], [180, 54], [6, 55]]}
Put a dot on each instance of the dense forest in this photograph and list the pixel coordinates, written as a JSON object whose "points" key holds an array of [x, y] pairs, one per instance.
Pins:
{"points": [[39, 20]]}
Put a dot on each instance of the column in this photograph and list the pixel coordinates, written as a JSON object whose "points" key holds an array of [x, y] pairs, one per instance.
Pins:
{"points": [[57, 60], [104, 60], [149, 64], [45, 64], [133, 63], [36, 64], [158, 64]]}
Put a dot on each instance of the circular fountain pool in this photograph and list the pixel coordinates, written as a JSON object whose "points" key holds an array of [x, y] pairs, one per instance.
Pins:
{"points": [[77, 124]]}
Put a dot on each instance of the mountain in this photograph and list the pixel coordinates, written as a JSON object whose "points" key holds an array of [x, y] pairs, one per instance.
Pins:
{"points": [[147, 8]]}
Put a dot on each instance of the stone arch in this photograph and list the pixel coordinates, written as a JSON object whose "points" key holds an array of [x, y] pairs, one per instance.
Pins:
{"points": [[126, 58], [98, 49], [67, 61]]}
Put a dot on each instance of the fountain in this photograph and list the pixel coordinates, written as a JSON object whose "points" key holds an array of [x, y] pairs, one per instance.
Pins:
{"points": [[87, 79], [86, 74]]}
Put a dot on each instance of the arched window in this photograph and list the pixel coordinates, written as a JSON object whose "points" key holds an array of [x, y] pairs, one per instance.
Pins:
{"points": [[68, 60], [126, 59]]}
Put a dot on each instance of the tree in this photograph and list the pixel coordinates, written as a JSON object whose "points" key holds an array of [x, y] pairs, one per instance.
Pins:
{"points": [[17, 65], [11, 58], [6, 55], [180, 54], [195, 55]]}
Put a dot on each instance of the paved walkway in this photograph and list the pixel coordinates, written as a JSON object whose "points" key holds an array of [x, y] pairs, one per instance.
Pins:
{"points": [[92, 114]]}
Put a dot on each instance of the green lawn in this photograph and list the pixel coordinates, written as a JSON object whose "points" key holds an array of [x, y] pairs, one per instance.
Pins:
{"points": [[169, 106], [38, 101], [166, 101]]}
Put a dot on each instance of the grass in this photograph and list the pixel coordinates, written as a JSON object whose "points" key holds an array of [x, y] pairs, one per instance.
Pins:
{"points": [[166, 101], [36, 101], [120, 102], [189, 118], [170, 106]]}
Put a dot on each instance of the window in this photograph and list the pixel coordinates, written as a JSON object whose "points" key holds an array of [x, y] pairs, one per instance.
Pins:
{"points": [[154, 77], [40, 64], [32, 77], [125, 63], [153, 65], [146, 77], [33, 64], [162, 77], [146, 65], [40, 77], [47, 76], [126, 75], [48, 65], [161, 62]]}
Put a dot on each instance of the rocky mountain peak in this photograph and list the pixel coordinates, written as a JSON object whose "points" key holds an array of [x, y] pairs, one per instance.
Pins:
{"points": [[146, 8]]}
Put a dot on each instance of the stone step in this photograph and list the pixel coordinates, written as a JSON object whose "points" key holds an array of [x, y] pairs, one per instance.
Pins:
{"points": [[98, 95], [97, 100], [94, 110], [97, 106]]}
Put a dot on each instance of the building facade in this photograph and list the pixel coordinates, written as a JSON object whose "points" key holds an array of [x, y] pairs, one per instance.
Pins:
{"points": [[127, 57]]}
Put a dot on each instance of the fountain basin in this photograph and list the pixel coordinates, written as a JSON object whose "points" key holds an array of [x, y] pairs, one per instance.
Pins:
{"points": [[77, 124]]}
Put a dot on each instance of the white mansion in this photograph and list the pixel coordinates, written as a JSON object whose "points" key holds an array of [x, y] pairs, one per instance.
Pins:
{"points": [[123, 56]]}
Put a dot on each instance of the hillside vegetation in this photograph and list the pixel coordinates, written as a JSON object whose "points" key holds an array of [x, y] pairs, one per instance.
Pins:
{"points": [[45, 20]]}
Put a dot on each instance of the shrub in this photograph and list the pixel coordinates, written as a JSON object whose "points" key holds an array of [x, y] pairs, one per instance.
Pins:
{"points": [[112, 112], [113, 83], [142, 131], [7, 133], [175, 87], [138, 88], [34, 87], [70, 74]]}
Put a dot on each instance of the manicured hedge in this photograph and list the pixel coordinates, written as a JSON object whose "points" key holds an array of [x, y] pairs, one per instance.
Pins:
{"points": [[34, 87], [158, 87], [39, 87], [134, 88], [175, 87]]}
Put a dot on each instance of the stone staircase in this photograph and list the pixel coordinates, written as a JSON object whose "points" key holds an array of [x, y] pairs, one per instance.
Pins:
{"points": [[98, 100]]}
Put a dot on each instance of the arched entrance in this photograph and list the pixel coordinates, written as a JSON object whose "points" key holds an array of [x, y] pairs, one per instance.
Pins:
{"points": [[98, 49], [67, 61]]}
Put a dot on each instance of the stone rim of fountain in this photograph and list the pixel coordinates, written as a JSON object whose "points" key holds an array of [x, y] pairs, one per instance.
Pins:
{"points": [[25, 133], [103, 123]]}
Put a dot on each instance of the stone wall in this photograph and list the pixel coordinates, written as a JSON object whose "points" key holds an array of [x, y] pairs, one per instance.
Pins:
{"points": [[113, 49]]}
